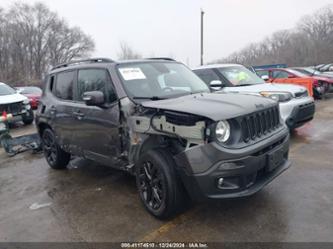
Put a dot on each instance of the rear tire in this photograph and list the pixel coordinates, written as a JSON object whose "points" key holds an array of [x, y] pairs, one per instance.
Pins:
{"points": [[159, 185], [54, 155]]}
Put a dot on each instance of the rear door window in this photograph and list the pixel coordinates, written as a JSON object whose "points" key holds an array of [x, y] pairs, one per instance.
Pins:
{"points": [[64, 85]]}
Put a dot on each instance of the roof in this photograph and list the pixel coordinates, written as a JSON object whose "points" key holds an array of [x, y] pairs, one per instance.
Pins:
{"points": [[145, 60], [217, 66], [102, 62], [270, 66]]}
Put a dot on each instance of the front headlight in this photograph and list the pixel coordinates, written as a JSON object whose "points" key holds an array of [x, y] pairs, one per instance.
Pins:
{"points": [[26, 104], [278, 96], [222, 131]]}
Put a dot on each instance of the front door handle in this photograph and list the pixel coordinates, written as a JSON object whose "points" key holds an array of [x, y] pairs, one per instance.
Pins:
{"points": [[53, 110], [79, 115]]}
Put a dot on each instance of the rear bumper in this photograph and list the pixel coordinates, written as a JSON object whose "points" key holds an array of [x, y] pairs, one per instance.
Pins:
{"points": [[243, 172]]}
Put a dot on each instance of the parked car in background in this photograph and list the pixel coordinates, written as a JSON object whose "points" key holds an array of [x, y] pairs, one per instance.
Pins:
{"points": [[296, 106], [12, 102], [310, 71], [321, 85], [325, 67], [33, 93], [157, 120]]}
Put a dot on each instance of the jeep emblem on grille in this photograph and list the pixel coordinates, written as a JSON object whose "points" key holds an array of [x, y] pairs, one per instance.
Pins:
{"points": [[259, 106]]}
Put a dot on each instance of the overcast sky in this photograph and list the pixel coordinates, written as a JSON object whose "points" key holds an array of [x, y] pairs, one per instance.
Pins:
{"points": [[172, 28]]}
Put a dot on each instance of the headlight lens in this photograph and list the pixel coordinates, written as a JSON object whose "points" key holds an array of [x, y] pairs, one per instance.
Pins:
{"points": [[278, 96], [222, 131], [26, 104]]}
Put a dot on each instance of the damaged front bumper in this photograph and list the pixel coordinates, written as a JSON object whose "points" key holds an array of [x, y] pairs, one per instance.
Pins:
{"points": [[214, 172], [297, 112], [300, 115]]}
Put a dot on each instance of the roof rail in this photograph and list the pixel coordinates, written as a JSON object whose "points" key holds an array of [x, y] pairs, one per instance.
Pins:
{"points": [[91, 60], [161, 58]]}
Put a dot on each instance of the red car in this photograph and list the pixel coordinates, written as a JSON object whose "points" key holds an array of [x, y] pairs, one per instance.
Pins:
{"points": [[33, 93], [321, 84]]}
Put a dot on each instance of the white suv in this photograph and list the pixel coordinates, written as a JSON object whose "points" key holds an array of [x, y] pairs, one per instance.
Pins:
{"points": [[296, 106], [11, 102]]}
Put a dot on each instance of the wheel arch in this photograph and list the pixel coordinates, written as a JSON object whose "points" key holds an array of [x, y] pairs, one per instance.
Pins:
{"points": [[42, 126], [156, 142], [151, 142]]}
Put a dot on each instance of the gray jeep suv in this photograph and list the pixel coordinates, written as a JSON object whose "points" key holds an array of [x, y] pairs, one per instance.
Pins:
{"points": [[157, 120]]}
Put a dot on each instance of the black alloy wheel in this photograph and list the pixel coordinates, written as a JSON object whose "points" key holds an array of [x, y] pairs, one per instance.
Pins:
{"points": [[151, 185], [55, 156], [161, 190]]}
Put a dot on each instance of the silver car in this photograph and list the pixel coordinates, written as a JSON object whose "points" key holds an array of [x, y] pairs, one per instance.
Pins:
{"points": [[296, 106], [14, 103]]}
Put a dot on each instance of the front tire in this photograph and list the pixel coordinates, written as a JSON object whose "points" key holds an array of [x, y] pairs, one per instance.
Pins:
{"points": [[160, 188], [28, 119], [55, 156]]}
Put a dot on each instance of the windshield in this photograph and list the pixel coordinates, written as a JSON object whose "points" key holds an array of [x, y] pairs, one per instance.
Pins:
{"points": [[30, 90], [240, 76], [159, 80], [6, 90]]}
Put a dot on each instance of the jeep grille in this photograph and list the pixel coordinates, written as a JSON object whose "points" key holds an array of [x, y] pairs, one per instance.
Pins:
{"points": [[260, 123]]}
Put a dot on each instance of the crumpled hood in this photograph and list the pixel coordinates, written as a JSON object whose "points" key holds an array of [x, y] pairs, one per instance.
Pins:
{"points": [[265, 87], [215, 106], [12, 98]]}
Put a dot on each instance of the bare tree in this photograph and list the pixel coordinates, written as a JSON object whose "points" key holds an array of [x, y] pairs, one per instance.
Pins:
{"points": [[32, 38], [318, 29], [127, 53], [310, 43]]}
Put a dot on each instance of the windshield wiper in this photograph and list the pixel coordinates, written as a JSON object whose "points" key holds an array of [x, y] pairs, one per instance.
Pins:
{"points": [[244, 85], [151, 98]]}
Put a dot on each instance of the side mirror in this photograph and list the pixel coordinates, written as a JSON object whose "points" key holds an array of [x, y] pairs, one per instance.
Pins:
{"points": [[290, 76], [18, 90], [265, 77], [94, 98], [216, 85]]}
